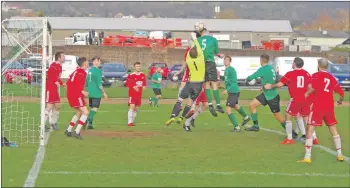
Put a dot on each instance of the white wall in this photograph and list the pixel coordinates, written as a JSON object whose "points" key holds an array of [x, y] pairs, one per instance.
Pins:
{"points": [[317, 41]]}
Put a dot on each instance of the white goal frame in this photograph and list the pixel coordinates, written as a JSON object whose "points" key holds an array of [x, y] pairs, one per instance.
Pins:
{"points": [[47, 57]]}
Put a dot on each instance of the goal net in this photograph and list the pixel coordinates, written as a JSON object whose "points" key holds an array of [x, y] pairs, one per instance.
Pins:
{"points": [[26, 53]]}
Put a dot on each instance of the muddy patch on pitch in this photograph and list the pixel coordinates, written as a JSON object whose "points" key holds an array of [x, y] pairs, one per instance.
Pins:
{"points": [[122, 134]]}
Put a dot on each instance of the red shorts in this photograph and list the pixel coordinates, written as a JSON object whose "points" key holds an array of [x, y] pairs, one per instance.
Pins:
{"points": [[76, 101], [317, 116], [135, 100], [52, 96], [294, 108], [201, 98]]}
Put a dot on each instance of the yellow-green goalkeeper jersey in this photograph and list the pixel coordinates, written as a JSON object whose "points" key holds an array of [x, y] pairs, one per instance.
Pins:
{"points": [[196, 66]]}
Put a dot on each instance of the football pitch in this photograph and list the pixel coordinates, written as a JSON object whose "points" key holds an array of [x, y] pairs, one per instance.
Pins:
{"points": [[153, 155]]}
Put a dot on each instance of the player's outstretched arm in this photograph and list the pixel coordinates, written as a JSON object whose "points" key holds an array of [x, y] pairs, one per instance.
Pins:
{"points": [[255, 75], [310, 90], [270, 86], [340, 92]]}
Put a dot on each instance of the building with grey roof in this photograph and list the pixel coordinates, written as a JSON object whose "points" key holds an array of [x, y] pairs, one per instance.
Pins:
{"points": [[229, 29], [322, 38]]}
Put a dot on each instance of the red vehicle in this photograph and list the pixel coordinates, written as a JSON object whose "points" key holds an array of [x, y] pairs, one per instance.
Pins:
{"points": [[140, 41], [16, 70], [152, 68]]}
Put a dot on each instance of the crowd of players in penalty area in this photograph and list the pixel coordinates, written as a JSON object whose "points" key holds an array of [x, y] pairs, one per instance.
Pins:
{"points": [[311, 100]]}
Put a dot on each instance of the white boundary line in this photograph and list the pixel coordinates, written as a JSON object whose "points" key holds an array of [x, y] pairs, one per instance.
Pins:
{"points": [[34, 171], [39, 159], [199, 173], [328, 150]]}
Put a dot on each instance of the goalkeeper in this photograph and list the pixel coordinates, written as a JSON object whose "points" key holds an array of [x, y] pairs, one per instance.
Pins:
{"points": [[192, 89], [95, 89], [210, 48]]}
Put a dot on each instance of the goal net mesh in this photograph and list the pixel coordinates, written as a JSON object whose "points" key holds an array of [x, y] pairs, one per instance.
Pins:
{"points": [[22, 44]]}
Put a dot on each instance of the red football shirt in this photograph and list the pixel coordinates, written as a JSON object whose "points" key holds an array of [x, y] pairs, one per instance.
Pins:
{"points": [[297, 81], [136, 79], [76, 83], [186, 73], [53, 76], [324, 85]]}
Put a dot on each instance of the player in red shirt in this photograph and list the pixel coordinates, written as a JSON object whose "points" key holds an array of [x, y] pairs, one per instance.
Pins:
{"points": [[323, 85], [297, 81], [53, 81], [75, 96], [136, 82]]}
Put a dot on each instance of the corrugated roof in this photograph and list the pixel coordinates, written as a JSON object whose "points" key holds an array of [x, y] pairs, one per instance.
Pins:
{"points": [[319, 34], [169, 24]]}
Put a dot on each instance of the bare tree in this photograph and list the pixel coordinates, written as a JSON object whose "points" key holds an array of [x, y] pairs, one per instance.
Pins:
{"points": [[227, 14]]}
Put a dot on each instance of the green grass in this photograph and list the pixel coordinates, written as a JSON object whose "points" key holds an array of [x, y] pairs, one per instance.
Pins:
{"points": [[122, 92], [211, 147]]}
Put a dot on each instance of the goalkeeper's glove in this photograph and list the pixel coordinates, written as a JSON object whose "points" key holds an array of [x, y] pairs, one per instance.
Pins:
{"points": [[194, 35]]}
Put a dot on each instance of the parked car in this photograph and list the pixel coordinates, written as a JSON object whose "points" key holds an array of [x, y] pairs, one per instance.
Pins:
{"points": [[16, 71], [114, 71], [164, 66], [342, 73], [35, 66], [105, 82], [175, 69]]}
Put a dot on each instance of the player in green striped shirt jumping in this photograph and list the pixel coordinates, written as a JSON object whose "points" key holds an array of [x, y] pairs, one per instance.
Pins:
{"points": [[210, 48], [95, 89], [232, 90]]}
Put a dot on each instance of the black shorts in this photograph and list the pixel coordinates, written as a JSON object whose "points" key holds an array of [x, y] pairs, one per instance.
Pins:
{"points": [[191, 90], [94, 102], [274, 104], [232, 99], [211, 74], [157, 91]]}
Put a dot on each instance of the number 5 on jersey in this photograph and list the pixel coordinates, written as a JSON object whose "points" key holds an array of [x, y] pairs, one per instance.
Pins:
{"points": [[204, 44]]}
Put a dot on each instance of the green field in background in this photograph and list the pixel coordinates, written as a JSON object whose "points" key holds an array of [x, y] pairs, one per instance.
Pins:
{"points": [[122, 92], [254, 158]]}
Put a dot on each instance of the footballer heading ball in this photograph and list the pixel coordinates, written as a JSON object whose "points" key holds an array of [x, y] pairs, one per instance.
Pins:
{"points": [[199, 26]]}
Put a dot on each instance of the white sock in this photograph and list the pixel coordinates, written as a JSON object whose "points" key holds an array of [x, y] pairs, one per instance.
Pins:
{"points": [[197, 112], [289, 129], [308, 146], [54, 117], [134, 114], [81, 123], [296, 130], [337, 143], [188, 121], [47, 114], [301, 125], [314, 135], [130, 112], [72, 123]]}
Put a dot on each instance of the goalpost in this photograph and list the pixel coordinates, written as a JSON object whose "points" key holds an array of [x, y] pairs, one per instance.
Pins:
{"points": [[26, 54]]}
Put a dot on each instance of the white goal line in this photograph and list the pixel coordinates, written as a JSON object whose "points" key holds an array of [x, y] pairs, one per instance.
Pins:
{"points": [[198, 173]]}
